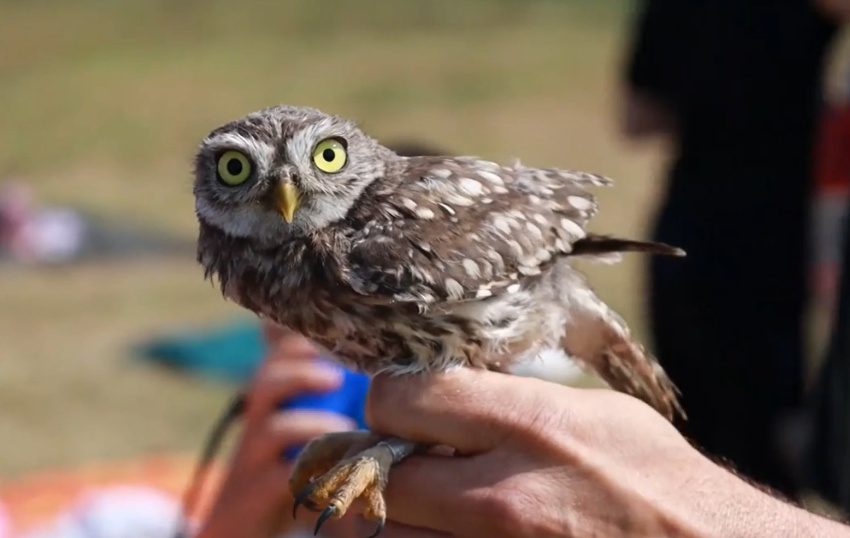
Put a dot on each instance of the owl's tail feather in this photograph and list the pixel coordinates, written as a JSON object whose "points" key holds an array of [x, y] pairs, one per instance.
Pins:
{"points": [[627, 367], [605, 244], [599, 339]]}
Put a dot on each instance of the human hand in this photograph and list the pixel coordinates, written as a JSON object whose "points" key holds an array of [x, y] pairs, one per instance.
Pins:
{"points": [[539, 459], [254, 501]]}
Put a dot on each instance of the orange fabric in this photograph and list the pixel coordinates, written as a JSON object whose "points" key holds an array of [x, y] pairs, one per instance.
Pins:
{"points": [[39, 498]]}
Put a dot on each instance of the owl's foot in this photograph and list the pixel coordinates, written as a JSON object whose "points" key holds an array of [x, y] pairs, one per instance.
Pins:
{"points": [[321, 454], [360, 476]]}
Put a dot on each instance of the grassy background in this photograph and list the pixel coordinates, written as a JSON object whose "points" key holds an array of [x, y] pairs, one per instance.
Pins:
{"points": [[103, 103]]}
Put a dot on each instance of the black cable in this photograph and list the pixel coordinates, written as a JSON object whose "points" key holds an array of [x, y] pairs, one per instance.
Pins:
{"points": [[211, 447]]}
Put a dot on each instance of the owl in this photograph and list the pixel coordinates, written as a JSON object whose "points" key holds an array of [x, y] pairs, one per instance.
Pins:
{"points": [[402, 265]]}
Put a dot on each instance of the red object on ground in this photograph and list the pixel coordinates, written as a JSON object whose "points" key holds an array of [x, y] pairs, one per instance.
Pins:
{"points": [[39, 498]]}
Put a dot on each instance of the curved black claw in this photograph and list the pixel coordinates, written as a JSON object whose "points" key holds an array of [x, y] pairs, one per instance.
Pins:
{"points": [[379, 529], [326, 513], [303, 498]]}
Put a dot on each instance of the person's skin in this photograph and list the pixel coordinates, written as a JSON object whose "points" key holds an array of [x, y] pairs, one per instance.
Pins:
{"points": [[538, 459], [254, 500], [543, 460]]}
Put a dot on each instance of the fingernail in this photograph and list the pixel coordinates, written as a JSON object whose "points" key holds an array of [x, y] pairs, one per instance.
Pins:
{"points": [[335, 421]]}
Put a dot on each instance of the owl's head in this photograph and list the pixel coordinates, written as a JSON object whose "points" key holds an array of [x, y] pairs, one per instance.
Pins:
{"points": [[283, 172]]}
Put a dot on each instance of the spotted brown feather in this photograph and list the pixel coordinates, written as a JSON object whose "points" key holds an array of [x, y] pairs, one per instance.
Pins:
{"points": [[456, 229]]}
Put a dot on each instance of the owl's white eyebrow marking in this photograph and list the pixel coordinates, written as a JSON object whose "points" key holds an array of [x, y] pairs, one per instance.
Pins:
{"points": [[299, 147], [261, 152]]}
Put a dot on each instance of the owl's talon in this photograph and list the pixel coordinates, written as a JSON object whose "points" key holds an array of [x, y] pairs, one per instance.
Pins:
{"points": [[326, 513], [379, 528], [304, 498], [362, 475]]}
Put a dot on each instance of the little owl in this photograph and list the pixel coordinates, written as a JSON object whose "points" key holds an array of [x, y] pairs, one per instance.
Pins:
{"points": [[403, 265]]}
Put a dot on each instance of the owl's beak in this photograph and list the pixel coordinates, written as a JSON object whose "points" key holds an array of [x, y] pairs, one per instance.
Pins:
{"points": [[287, 200]]}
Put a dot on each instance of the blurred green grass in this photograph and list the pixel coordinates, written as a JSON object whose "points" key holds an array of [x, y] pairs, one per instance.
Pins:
{"points": [[104, 102]]}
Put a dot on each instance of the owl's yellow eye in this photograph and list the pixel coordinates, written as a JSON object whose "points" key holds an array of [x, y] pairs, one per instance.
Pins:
{"points": [[233, 167], [330, 155]]}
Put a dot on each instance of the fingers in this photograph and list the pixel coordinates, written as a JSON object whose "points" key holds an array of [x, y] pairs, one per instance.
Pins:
{"points": [[285, 345], [292, 428], [279, 381], [429, 491], [470, 410], [262, 446]]}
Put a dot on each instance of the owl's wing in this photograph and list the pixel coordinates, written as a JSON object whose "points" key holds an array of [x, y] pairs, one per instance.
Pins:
{"points": [[455, 229]]}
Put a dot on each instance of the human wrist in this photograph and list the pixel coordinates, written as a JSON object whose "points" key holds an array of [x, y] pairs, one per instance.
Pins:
{"points": [[679, 496], [717, 502]]}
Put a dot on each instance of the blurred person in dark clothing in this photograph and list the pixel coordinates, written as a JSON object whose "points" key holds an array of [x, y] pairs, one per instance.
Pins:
{"points": [[828, 468], [829, 452], [736, 85]]}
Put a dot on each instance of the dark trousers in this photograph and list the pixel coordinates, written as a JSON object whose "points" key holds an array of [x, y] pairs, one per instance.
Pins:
{"points": [[727, 320]]}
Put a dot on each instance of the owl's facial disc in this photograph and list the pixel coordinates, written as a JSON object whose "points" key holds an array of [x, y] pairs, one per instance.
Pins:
{"points": [[329, 156], [284, 172]]}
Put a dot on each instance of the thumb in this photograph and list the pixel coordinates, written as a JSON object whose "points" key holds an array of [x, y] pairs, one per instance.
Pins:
{"points": [[470, 410]]}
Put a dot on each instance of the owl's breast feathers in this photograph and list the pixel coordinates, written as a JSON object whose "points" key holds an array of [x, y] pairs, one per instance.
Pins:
{"points": [[260, 277]]}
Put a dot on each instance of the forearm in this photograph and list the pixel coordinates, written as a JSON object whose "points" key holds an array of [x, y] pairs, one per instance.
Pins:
{"points": [[722, 504]]}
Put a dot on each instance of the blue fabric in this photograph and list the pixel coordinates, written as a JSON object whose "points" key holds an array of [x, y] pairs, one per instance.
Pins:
{"points": [[347, 400]]}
